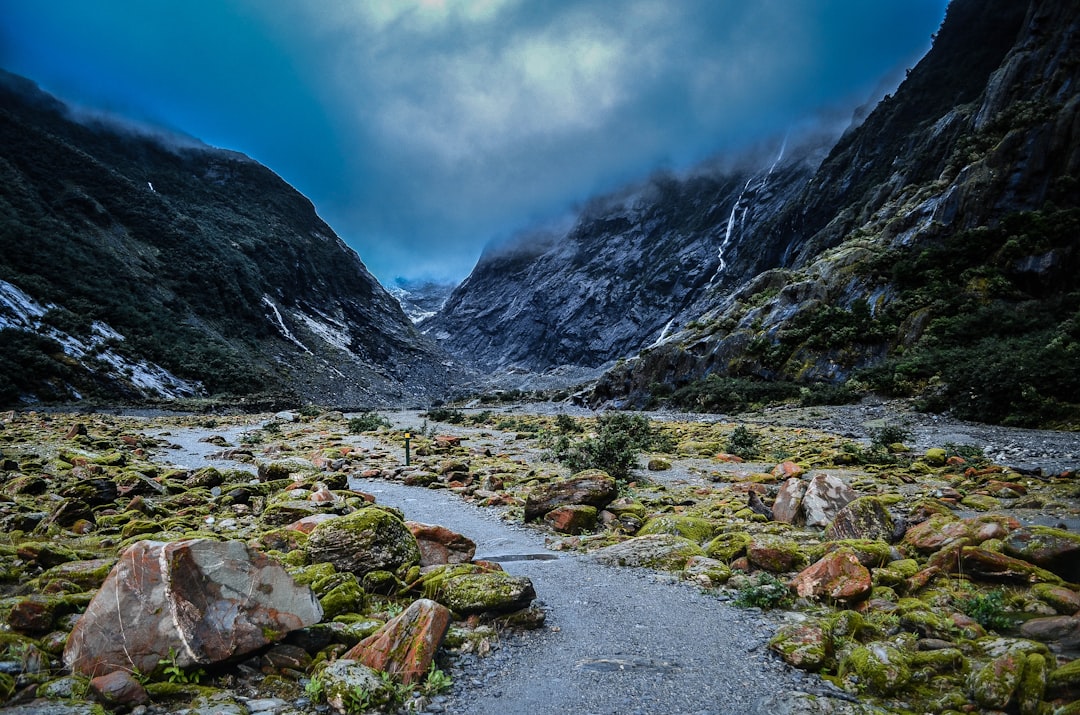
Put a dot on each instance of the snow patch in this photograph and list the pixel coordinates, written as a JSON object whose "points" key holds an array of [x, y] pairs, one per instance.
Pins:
{"points": [[279, 323]]}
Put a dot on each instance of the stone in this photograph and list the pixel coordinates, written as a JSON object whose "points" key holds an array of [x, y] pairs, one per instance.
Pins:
{"points": [[706, 572], [285, 658], [941, 530], [471, 589], [786, 470], [863, 518], [1064, 630], [658, 464], [806, 646], [369, 539], [343, 679], [307, 524], [935, 457], [203, 601], [1065, 681], [665, 552], [572, 518], [881, 668], [406, 645], [1054, 549], [838, 576], [992, 686], [1063, 600], [728, 547], [991, 566], [33, 614], [1032, 685], [591, 487], [787, 507], [119, 689], [825, 496], [774, 553], [693, 528], [439, 545]]}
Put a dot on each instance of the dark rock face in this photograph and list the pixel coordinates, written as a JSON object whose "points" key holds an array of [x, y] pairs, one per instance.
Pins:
{"points": [[627, 274], [190, 270]]}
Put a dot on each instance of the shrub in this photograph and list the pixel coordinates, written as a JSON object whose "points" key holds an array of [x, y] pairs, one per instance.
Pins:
{"points": [[886, 435], [988, 609], [446, 414], [367, 422], [743, 443], [768, 592], [619, 438]]}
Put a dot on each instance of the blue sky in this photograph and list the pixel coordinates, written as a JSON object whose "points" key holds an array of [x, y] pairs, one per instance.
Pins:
{"points": [[422, 129]]}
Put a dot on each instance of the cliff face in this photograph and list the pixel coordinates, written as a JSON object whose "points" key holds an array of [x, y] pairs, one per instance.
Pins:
{"points": [[124, 255], [628, 273], [934, 248]]}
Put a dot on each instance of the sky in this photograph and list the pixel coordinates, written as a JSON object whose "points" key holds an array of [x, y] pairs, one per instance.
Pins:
{"points": [[423, 129]]}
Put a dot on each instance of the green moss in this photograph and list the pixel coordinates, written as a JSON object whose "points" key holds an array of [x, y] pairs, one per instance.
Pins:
{"points": [[346, 597], [1032, 686], [693, 528], [880, 668]]}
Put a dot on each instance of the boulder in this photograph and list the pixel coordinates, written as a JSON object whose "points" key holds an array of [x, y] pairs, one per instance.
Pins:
{"points": [[825, 496], [786, 470], [1054, 549], [572, 518], [863, 518], [473, 589], [591, 487], [343, 679], [119, 690], [881, 668], [666, 552], [369, 539], [1032, 686], [807, 646], [1063, 600], [728, 547], [406, 645], [838, 576], [788, 502], [941, 530], [1064, 630], [1065, 681], [706, 572], [439, 545], [199, 600], [774, 553], [991, 566], [992, 686]]}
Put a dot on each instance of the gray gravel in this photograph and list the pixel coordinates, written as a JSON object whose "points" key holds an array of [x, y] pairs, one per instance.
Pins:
{"points": [[616, 640]]}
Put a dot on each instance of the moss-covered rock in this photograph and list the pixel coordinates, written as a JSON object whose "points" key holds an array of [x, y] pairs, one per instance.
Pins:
{"points": [[665, 552], [1065, 681], [706, 572], [993, 685], [1054, 549], [366, 540], [981, 502], [775, 553], [467, 589], [879, 668], [865, 518], [1032, 685], [728, 547], [345, 597], [806, 646], [693, 528]]}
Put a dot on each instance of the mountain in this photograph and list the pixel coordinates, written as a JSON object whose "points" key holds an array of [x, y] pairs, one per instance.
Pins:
{"points": [[627, 271], [933, 253], [420, 299], [136, 264], [930, 251]]}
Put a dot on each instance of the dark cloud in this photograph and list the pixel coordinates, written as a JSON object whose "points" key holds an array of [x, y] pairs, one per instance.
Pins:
{"points": [[421, 129]]}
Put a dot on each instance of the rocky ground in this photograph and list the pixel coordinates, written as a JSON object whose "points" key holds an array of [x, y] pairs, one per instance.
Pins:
{"points": [[933, 576]]}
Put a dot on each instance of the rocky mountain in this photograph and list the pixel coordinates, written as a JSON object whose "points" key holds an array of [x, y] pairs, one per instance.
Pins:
{"points": [[420, 299], [928, 252], [627, 272], [137, 265], [934, 251]]}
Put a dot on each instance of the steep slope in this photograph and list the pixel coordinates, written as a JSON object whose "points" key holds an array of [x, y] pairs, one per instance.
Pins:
{"points": [[125, 256], [936, 245], [625, 275]]}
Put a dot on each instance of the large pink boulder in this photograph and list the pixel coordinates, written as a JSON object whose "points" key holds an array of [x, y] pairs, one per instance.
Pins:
{"points": [[825, 496], [439, 545], [193, 602], [838, 576], [406, 645]]}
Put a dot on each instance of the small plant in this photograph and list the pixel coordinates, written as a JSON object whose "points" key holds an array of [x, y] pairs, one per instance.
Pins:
{"points": [[988, 609], [743, 443], [436, 681], [446, 414], [176, 673], [315, 689], [367, 422], [768, 592], [310, 411], [886, 435], [356, 700], [272, 428]]}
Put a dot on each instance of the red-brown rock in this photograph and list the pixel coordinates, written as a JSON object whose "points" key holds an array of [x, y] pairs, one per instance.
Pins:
{"points": [[992, 566], [838, 576], [789, 500], [591, 487], [119, 689], [786, 470], [572, 519], [308, 523], [1065, 630], [406, 645], [439, 545]]}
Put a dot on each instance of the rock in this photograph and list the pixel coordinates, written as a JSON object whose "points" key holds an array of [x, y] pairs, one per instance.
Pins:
{"points": [[863, 518], [871, 554], [665, 552], [787, 470], [940, 530], [572, 519], [205, 601], [467, 589], [992, 686], [693, 528], [658, 464], [406, 645], [119, 689], [838, 576], [807, 646], [774, 553], [285, 658], [881, 668], [706, 572], [1065, 681], [728, 547], [935, 457], [1054, 549], [369, 539], [308, 523], [1063, 600], [825, 496], [988, 565], [795, 702], [439, 545], [981, 502], [591, 487], [787, 507], [1064, 630], [33, 614], [1032, 686], [343, 679]]}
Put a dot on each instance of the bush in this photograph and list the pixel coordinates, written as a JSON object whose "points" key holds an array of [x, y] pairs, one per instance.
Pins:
{"points": [[619, 438], [446, 414], [886, 435], [367, 422], [988, 609], [743, 443], [768, 592]]}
